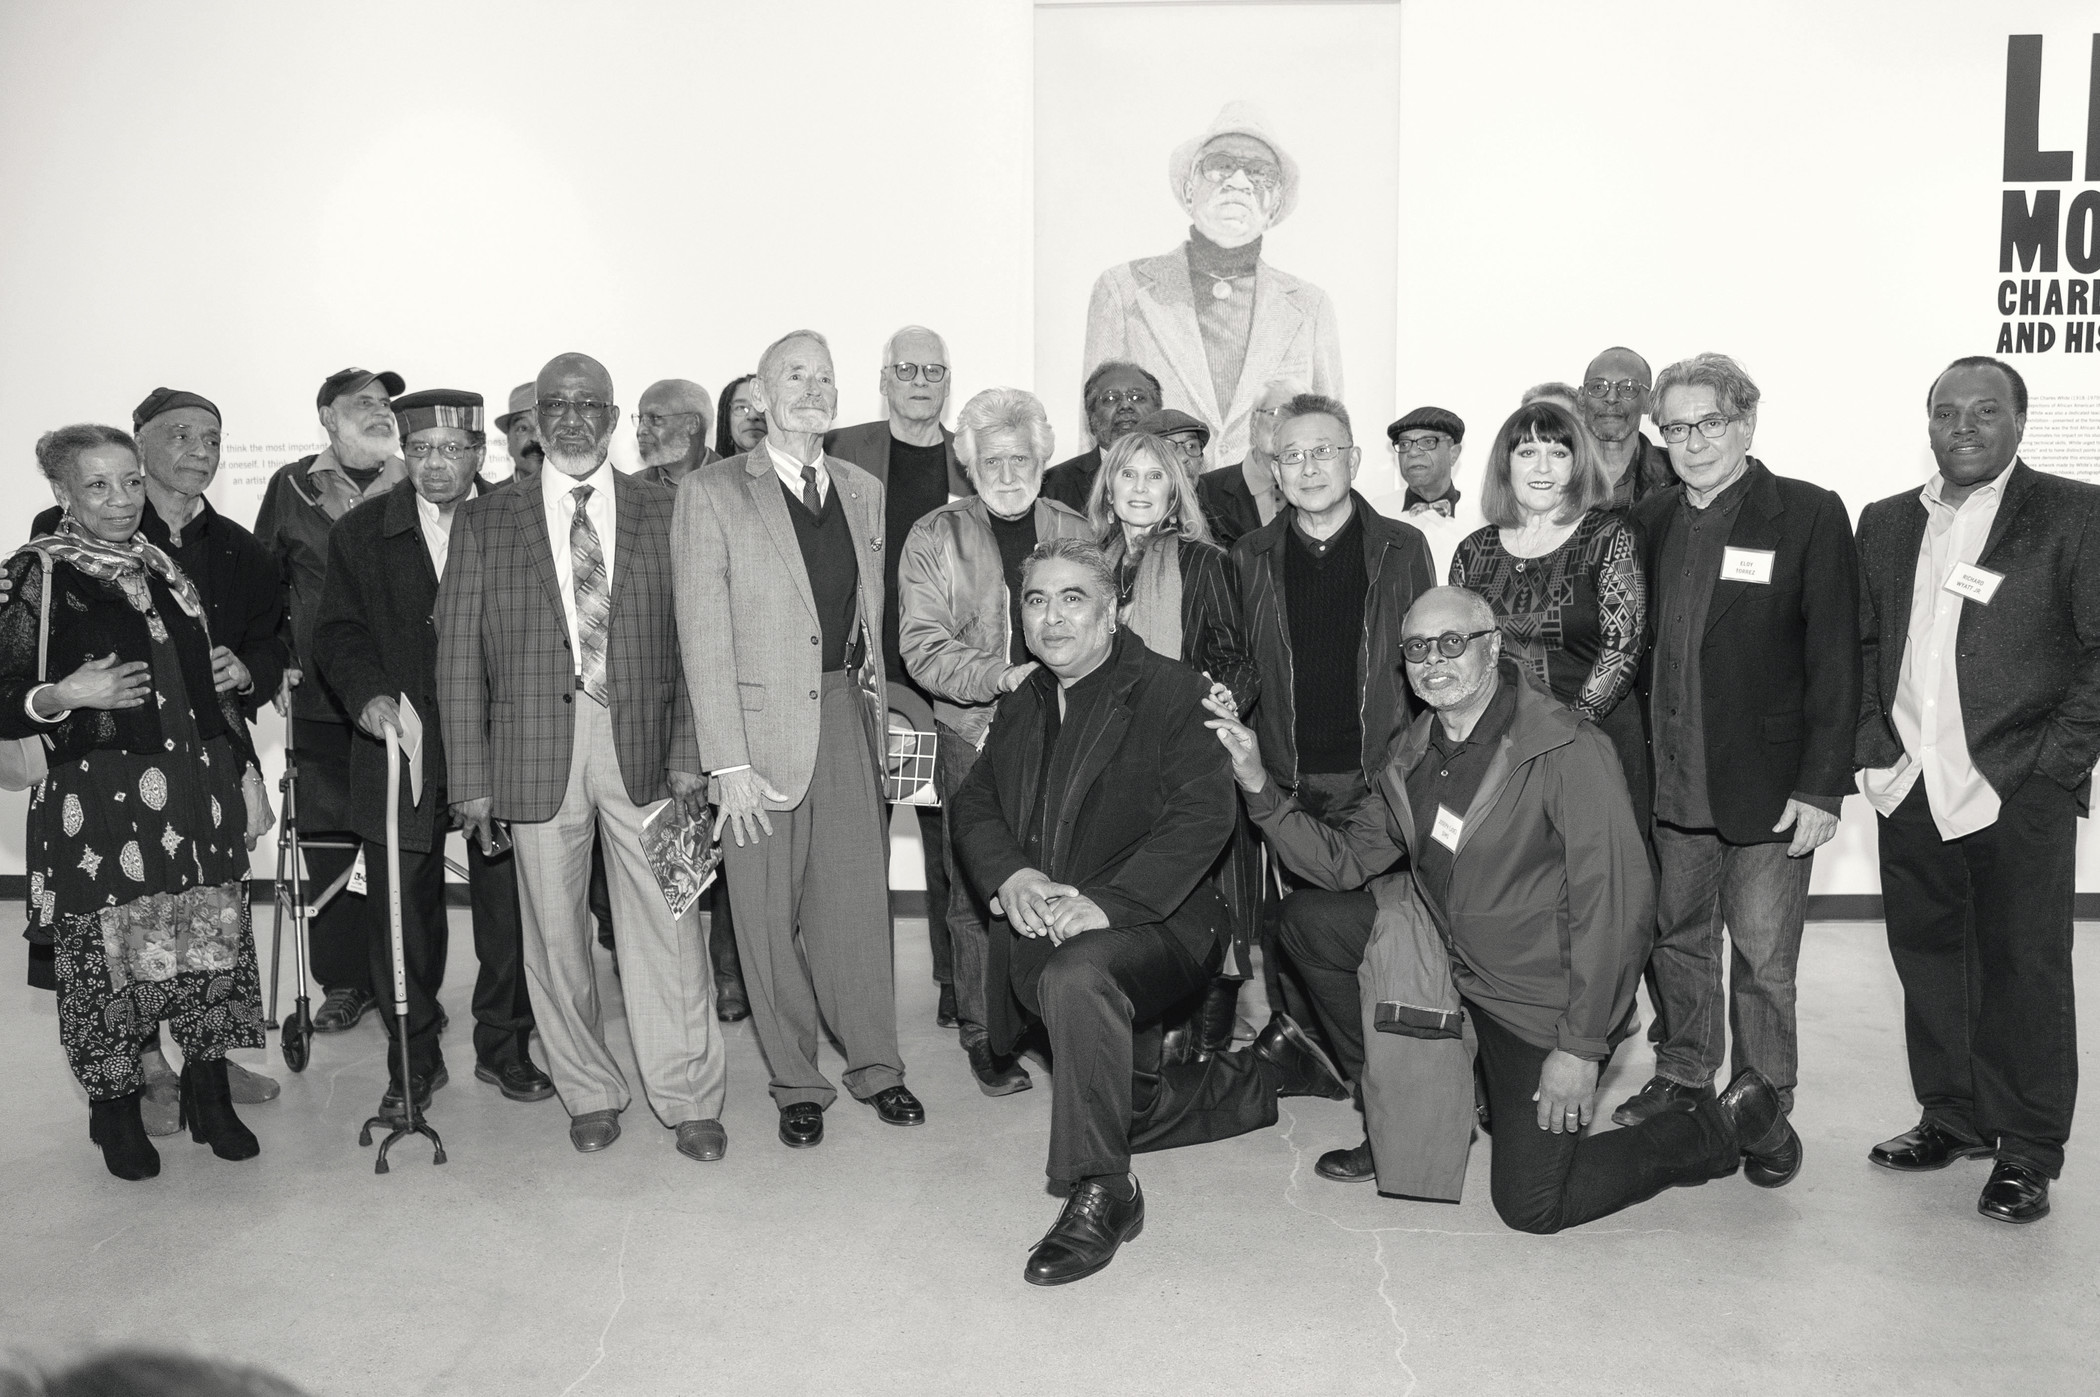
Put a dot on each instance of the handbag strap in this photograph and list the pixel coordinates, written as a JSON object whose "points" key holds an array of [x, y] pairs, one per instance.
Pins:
{"points": [[43, 621]]}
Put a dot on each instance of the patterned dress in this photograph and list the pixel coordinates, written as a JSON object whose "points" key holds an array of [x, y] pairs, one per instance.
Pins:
{"points": [[136, 865], [1576, 618]]}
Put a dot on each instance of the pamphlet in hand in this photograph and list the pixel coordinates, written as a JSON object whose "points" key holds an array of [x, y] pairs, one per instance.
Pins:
{"points": [[681, 854]]}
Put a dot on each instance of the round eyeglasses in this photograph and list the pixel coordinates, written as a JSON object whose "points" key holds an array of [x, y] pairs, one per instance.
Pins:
{"points": [[1451, 644]]}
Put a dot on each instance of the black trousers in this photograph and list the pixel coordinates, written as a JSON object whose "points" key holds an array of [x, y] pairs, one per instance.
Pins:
{"points": [[338, 940], [1540, 1181], [1328, 797], [1101, 996], [933, 834], [1980, 930], [502, 1010]]}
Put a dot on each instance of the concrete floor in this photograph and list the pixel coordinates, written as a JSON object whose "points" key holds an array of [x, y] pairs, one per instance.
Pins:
{"points": [[888, 1261]]}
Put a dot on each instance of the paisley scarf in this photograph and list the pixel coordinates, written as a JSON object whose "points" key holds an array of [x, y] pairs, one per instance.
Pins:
{"points": [[124, 564]]}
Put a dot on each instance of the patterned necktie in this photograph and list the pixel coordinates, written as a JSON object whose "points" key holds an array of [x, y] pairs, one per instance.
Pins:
{"points": [[593, 595], [810, 496], [1442, 507]]}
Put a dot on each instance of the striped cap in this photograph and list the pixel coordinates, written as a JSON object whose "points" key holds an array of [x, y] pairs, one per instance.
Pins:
{"points": [[438, 407]]}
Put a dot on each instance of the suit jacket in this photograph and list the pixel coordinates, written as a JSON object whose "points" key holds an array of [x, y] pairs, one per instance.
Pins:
{"points": [[1397, 561], [1071, 480], [1779, 663], [1228, 505], [1150, 805], [376, 636], [868, 446], [2028, 663], [1213, 633], [744, 604], [506, 682], [1145, 312]]}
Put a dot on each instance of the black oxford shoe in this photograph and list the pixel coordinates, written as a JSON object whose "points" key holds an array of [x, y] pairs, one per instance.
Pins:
{"points": [[1775, 1168], [1660, 1095], [1350, 1166], [2016, 1193], [897, 1106], [1926, 1148], [1751, 1108], [801, 1125], [520, 1081], [1086, 1234], [1295, 1064]]}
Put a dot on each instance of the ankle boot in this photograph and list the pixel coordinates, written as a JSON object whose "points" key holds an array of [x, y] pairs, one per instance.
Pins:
{"points": [[116, 1126], [207, 1107], [1215, 1020]]}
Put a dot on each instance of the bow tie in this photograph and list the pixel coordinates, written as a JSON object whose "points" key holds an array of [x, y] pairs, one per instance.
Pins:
{"points": [[1442, 507]]}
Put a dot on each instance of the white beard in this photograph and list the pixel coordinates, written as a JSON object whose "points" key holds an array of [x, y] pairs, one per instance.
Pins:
{"points": [[575, 463]]}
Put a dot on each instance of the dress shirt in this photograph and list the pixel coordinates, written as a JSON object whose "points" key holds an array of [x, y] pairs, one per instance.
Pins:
{"points": [[437, 534], [790, 471], [1928, 694], [557, 491]]}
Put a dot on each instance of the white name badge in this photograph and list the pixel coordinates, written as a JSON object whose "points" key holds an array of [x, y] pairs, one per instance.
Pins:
{"points": [[1447, 829], [1747, 565], [1977, 584]]}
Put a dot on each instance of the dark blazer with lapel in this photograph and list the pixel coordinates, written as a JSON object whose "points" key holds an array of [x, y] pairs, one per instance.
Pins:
{"points": [[1071, 480], [1779, 664], [1150, 806], [867, 445], [505, 673], [1228, 505], [2028, 663], [376, 635]]}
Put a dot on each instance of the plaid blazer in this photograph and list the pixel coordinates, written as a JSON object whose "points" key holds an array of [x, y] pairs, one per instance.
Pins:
{"points": [[505, 672], [744, 606]]}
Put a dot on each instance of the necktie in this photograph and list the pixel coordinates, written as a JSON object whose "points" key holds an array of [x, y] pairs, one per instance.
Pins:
{"points": [[593, 595], [809, 490]]}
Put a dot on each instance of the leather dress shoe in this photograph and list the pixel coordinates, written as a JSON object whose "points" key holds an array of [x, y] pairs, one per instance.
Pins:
{"points": [[731, 1003], [1751, 1108], [520, 1080], [1926, 1148], [1298, 1066], [1086, 1234], [993, 1077], [1218, 1017], [1177, 1044], [594, 1130], [2016, 1193], [1775, 1168], [705, 1141], [946, 1013], [1660, 1095], [1350, 1166], [897, 1106], [390, 1105], [342, 1009], [801, 1124]]}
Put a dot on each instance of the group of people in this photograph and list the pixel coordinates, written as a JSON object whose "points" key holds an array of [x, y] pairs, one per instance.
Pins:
{"points": [[1452, 775]]}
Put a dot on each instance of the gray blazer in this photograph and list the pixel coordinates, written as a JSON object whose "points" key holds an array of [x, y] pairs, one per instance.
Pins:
{"points": [[744, 606]]}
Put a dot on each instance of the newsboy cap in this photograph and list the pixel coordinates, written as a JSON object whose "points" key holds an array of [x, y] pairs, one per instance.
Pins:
{"points": [[1429, 419], [438, 407], [162, 400], [1169, 420]]}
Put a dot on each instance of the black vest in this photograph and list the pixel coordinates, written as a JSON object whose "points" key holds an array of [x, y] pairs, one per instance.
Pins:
{"points": [[834, 572]]}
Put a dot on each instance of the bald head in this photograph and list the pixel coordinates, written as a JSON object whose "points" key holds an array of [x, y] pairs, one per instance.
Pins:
{"points": [[577, 413], [673, 423], [1614, 397], [1443, 609]]}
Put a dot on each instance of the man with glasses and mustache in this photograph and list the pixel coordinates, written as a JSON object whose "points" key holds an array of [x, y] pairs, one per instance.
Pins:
{"points": [[299, 509], [671, 429], [1118, 396], [1614, 396], [1426, 444], [1752, 694], [1522, 845], [912, 455], [565, 714], [1212, 318]]}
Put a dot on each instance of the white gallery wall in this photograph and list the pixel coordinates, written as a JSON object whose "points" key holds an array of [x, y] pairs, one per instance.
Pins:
{"points": [[239, 197]]}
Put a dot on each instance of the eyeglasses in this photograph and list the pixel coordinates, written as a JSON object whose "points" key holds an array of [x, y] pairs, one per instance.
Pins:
{"points": [[1709, 427], [1451, 644], [424, 450], [1123, 397], [1220, 166], [1419, 445], [932, 373], [1608, 389], [1191, 447], [1316, 453], [656, 420], [589, 409], [740, 411]]}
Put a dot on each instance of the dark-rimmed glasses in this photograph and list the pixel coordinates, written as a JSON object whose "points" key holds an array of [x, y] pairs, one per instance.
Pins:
{"points": [[589, 409], [905, 373], [1607, 389], [1709, 427], [1451, 644]]}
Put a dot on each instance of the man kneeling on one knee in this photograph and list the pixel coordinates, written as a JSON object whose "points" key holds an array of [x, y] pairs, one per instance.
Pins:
{"points": [[1092, 817], [1524, 848]]}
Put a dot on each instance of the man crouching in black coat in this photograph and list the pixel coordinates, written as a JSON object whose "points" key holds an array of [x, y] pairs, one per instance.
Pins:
{"points": [[1099, 804]]}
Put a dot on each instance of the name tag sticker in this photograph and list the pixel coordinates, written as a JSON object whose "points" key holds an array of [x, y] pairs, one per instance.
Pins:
{"points": [[1747, 565], [1977, 584], [1447, 829]]}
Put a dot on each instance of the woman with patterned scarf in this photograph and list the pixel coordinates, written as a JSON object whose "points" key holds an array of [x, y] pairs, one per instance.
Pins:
{"points": [[1177, 593], [139, 835]]}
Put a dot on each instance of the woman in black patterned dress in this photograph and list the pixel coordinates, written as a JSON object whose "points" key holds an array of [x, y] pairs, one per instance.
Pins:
{"points": [[138, 836], [1563, 572]]}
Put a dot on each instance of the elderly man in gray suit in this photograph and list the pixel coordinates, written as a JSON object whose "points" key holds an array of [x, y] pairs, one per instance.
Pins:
{"points": [[774, 545], [565, 712], [1211, 318]]}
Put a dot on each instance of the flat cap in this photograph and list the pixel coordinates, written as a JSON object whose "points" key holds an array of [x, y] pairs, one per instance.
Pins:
{"points": [[438, 407], [1429, 419], [1169, 420], [350, 380], [162, 400]]}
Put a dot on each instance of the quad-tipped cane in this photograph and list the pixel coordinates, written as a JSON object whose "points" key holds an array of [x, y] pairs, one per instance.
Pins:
{"points": [[411, 1121]]}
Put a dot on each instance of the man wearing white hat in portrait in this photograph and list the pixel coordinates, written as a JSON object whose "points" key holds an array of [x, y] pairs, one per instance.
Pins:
{"points": [[1211, 318]]}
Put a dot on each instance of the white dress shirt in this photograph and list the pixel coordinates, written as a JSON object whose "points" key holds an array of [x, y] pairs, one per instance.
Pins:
{"points": [[558, 493], [1928, 695], [437, 534], [790, 471]]}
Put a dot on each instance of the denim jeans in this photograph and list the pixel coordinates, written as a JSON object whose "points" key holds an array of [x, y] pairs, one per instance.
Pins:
{"points": [[968, 913], [1761, 897], [1980, 930]]}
